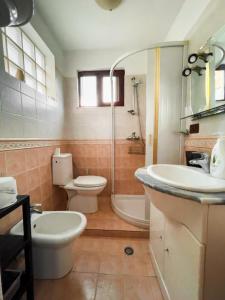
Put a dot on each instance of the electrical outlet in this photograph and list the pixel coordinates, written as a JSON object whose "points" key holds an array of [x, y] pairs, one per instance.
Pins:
{"points": [[194, 128]]}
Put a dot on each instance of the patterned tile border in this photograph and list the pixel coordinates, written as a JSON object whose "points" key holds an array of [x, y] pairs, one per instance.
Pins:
{"points": [[6, 145], [205, 142], [16, 145]]}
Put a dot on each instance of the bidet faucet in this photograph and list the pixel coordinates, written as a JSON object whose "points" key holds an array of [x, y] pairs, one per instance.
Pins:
{"points": [[203, 161], [36, 208]]}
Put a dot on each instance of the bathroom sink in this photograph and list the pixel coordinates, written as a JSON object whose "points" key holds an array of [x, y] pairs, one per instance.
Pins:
{"points": [[186, 178]]}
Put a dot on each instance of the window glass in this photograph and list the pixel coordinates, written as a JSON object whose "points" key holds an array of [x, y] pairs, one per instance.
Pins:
{"points": [[40, 59], [12, 69], [20, 53], [29, 65], [14, 53], [88, 89], [41, 88], [219, 85], [28, 46], [40, 75], [30, 81], [14, 34], [95, 88], [106, 97]]}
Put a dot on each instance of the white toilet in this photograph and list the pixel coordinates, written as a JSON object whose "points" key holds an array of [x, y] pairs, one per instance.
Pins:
{"points": [[82, 191]]}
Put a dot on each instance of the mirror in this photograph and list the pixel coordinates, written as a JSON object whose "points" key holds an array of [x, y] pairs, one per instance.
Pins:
{"points": [[206, 77]]}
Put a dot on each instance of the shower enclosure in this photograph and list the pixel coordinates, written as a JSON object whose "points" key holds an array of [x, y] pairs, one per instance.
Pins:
{"points": [[146, 125]]}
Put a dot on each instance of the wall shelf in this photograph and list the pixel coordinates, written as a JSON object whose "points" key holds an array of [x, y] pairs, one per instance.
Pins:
{"points": [[207, 113]]}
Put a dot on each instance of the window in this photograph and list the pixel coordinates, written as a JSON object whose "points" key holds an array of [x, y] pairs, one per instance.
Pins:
{"points": [[95, 88], [23, 59], [220, 83]]}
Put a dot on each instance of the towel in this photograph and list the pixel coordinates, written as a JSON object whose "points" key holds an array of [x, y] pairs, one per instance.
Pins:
{"points": [[8, 191]]}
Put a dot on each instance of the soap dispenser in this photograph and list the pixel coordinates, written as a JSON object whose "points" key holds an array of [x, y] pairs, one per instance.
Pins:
{"points": [[217, 164]]}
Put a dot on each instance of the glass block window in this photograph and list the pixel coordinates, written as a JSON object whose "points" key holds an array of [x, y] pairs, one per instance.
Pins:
{"points": [[23, 59]]}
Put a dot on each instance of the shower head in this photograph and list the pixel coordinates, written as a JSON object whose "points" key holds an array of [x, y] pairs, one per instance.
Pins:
{"points": [[136, 82]]}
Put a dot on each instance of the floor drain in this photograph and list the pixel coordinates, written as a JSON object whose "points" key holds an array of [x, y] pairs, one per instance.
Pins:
{"points": [[129, 250]]}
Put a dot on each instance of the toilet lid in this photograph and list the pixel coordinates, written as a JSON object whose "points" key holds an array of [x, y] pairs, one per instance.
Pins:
{"points": [[89, 181]]}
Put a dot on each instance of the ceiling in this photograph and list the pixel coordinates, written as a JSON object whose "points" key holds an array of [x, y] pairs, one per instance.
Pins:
{"points": [[82, 24]]}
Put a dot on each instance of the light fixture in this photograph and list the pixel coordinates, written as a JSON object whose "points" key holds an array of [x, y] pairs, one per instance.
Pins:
{"points": [[15, 12], [197, 69], [108, 4], [192, 58]]}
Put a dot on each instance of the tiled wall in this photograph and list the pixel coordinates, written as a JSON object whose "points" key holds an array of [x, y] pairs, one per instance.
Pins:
{"points": [[32, 170], [200, 143], [27, 114], [94, 158], [125, 166]]}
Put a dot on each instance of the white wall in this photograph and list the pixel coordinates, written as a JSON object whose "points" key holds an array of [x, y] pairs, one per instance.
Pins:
{"points": [[43, 30], [102, 59], [95, 123]]}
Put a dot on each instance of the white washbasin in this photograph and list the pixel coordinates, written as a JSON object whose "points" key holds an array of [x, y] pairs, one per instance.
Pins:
{"points": [[186, 178]]}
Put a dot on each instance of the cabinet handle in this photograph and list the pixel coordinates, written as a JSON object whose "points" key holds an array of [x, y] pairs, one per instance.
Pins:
{"points": [[167, 249]]}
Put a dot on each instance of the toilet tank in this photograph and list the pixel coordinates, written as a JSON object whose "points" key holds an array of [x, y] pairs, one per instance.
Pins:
{"points": [[62, 168]]}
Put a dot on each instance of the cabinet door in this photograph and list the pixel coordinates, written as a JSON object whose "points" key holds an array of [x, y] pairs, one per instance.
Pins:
{"points": [[184, 261], [157, 236]]}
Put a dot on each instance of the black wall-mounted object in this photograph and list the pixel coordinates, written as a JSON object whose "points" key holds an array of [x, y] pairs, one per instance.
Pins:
{"points": [[192, 58], [11, 246], [197, 69], [15, 12], [192, 155]]}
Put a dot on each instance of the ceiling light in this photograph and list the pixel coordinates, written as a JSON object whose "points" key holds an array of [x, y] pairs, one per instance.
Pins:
{"points": [[108, 4]]}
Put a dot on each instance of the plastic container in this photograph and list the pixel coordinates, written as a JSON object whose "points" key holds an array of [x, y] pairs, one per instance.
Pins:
{"points": [[217, 164]]}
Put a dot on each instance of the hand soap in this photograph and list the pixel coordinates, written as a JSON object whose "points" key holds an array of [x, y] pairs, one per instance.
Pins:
{"points": [[217, 164]]}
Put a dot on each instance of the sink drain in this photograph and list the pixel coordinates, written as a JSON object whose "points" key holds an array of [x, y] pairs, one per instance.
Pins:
{"points": [[129, 250]]}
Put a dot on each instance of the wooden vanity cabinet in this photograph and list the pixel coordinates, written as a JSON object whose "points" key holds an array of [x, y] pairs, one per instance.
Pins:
{"points": [[189, 266]]}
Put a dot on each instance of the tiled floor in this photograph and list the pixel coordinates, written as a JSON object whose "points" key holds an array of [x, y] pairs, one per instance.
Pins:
{"points": [[103, 272], [106, 221]]}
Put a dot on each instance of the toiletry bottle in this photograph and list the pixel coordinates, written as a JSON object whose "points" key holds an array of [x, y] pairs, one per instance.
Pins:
{"points": [[217, 164]]}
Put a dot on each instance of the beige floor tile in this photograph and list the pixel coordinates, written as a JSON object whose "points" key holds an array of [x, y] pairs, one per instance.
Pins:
{"points": [[42, 289], [110, 287], [79, 286], [85, 243], [86, 261], [141, 288], [138, 265], [111, 264]]}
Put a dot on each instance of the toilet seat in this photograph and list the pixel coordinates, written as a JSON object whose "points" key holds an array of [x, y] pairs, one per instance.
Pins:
{"points": [[89, 181]]}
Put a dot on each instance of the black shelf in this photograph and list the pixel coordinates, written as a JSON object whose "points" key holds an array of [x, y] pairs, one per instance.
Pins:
{"points": [[12, 245]]}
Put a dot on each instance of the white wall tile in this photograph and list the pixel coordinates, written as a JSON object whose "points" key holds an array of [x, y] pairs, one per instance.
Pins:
{"points": [[11, 100], [11, 126], [29, 106], [30, 128]]}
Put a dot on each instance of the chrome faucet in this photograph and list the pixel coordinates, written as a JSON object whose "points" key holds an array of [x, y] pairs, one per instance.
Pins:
{"points": [[203, 161], [36, 208], [133, 137]]}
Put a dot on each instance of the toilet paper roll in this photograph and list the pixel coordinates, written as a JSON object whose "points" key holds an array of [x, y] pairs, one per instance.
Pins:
{"points": [[8, 191], [57, 151]]}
